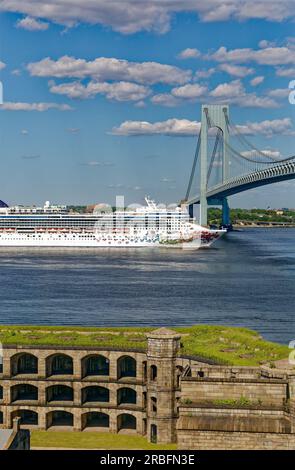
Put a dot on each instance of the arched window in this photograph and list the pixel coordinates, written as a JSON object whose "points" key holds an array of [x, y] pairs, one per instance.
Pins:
{"points": [[126, 421], [126, 367], [153, 405], [153, 433], [95, 394], [126, 395], [144, 370], [59, 364], [24, 363], [95, 419], [27, 417], [1, 392], [154, 372], [59, 418], [95, 365], [59, 393], [23, 392]]}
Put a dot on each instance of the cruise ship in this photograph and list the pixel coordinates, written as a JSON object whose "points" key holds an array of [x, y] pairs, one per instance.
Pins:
{"points": [[145, 226]]}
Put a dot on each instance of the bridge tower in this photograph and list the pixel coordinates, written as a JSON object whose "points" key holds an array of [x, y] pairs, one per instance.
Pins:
{"points": [[213, 116]]}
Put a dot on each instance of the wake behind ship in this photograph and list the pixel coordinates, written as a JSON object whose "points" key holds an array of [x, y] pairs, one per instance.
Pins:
{"points": [[144, 226]]}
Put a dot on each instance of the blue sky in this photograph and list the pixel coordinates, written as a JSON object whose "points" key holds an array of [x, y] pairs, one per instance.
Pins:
{"points": [[103, 98]]}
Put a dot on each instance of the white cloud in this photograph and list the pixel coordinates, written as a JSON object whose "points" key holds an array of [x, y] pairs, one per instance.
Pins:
{"points": [[264, 43], [124, 186], [140, 104], [96, 163], [268, 56], [272, 154], [235, 93], [257, 80], [279, 93], [225, 93], [228, 90], [166, 179], [31, 24], [119, 91], [251, 100], [189, 91], [189, 53], [165, 99], [268, 127], [205, 73], [171, 127], [2, 65], [129, 16], [103, 68], [285, 72], [236, 70], [273, 10], [20, 106], [73, 130], [186, 128]]}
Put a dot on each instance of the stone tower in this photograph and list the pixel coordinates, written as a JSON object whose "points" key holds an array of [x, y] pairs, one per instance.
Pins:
{"points": [[163, 346]]}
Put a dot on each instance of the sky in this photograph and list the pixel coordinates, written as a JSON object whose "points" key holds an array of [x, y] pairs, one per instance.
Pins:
{"points": [[103, 98]]}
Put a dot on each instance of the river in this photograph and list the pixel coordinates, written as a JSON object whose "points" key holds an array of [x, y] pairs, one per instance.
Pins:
{"points": [[245, 279]]}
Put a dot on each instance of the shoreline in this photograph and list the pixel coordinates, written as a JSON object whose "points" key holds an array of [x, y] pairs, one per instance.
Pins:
{"points": [[262, 225]]}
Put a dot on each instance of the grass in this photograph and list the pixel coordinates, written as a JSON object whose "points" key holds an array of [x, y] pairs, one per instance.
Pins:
{"points": [[94, 440], [220, 344], [242, 402]]}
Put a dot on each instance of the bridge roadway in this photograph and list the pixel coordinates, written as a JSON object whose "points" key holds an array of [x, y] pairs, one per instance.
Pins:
{"points": [[274, 174]]}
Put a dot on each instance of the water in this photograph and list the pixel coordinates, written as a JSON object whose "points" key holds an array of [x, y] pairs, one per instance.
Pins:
{"points": [[246, 280]]}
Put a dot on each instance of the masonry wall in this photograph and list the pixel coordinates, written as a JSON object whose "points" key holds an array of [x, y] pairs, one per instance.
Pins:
{"points": [[217, 440], [77, 382], [270, 392]]}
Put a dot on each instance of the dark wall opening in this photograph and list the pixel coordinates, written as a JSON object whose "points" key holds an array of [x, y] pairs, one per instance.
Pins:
{"points": [[24, 392], [95, 419], [126, 421], [95, 394], [126, 395], [59, 393], [153, 373], [59, 364], [95, 365], [126, 367], [26, 417], [60, 418], [24, 364]]}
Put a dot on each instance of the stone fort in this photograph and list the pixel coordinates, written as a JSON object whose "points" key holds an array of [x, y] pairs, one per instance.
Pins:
{"points": [[156, 393]]}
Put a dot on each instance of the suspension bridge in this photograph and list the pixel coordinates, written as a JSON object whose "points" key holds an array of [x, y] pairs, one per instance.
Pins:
{"points": [[226, 163]]}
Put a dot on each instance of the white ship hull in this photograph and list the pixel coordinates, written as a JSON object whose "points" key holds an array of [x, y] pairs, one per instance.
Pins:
{"points": [[62, 240]]}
